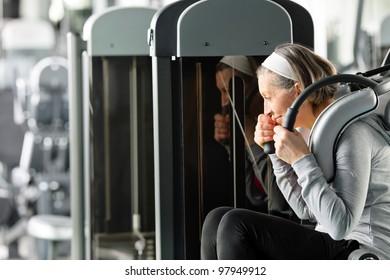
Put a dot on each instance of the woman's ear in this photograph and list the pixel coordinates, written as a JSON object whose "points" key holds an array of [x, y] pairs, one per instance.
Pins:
{"points": [[297, 89]]}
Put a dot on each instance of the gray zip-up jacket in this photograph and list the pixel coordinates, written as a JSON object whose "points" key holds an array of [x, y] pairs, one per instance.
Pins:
{"points": [[356, 205]]}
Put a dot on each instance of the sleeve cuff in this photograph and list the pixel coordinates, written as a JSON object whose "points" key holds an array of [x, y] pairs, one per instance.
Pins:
{"points": [[307, 170]]}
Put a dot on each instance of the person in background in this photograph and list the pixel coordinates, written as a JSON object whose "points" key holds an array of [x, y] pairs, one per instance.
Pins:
{"points": [[261, 189]]}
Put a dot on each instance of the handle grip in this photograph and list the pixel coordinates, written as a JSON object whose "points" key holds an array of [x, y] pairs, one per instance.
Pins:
{"points": [[269, 148]]}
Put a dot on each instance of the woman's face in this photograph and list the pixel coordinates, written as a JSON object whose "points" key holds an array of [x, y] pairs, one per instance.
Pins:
{"points": [[222, 79], [276, 100]]}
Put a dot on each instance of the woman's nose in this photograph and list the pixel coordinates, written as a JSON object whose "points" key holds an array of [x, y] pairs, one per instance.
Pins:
{"points": [[267, 109]]}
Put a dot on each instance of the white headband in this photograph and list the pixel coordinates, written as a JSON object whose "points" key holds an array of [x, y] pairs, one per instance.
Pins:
{"points": [[278, 64], [239, 63]]}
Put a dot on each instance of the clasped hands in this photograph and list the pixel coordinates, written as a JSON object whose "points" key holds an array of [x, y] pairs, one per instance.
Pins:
{"points": [[222, 128], [289, 145]]}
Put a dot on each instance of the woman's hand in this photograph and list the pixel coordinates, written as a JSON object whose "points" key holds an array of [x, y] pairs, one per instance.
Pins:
{"points": [[289, 145], [264, 130], [221, 127]]}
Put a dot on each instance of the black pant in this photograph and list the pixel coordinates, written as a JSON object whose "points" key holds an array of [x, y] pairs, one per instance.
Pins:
{"points": [[230, 233]]}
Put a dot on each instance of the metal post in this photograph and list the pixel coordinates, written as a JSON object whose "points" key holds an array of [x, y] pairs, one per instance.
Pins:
{"points": [[75, 47]]}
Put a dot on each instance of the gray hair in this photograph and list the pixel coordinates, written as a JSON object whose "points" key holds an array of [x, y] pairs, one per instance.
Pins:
{"points": [[307, 67]]}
